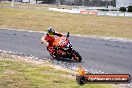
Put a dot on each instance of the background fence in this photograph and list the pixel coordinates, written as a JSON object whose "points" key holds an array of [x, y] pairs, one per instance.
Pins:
{"points": [[103, 13]]}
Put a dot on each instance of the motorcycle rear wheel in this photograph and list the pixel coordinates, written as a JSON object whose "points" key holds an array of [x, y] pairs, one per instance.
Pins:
{"points": [[54, 56]]}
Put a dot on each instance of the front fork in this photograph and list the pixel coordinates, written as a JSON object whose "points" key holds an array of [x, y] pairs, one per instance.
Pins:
{"points": [[70, 53]]}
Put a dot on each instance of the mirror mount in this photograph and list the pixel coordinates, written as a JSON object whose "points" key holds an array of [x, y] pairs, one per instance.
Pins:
{"points": [[68, 33]]}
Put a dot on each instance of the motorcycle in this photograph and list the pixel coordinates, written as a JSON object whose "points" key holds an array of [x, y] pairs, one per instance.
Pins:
{"points": [[63, 49]]}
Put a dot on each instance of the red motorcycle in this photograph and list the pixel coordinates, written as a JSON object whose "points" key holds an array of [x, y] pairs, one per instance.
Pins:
{"points": [[63, 49]]}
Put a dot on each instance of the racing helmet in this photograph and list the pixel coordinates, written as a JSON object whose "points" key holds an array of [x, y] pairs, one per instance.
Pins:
{"points": [[51, 31]]}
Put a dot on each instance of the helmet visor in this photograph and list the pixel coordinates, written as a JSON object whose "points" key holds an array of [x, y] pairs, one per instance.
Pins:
{"points": [[51, 34]]}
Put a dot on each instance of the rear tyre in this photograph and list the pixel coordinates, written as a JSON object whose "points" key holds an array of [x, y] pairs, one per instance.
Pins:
{"points": [[76, 56], [53, 55]]}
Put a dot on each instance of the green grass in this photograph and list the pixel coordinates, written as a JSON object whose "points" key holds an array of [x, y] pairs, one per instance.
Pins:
{"points": [[20, 74], [63, 22]]}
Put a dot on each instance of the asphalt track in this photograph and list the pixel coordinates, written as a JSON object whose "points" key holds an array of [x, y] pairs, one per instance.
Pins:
{"points": [[98, 54]]}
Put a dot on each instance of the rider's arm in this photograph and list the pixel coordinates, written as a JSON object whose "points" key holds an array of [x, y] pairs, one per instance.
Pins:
{"points": [[43, 40], [58, 34]]}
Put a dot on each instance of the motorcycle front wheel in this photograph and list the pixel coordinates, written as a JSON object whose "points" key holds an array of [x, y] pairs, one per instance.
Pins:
{"points": [[76, 56]]}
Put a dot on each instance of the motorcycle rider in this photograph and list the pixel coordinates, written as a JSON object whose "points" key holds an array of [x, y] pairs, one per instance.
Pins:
{"points": [[49, 39]]}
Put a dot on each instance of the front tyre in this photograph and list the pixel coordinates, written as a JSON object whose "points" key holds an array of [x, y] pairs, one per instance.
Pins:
{"points": [[76, 56]]}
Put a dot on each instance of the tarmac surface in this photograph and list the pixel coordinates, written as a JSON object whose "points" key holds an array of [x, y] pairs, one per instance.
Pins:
{"points": [[98, 55]]}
